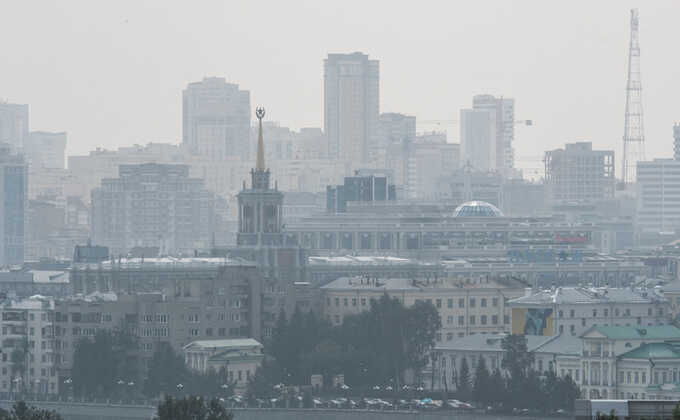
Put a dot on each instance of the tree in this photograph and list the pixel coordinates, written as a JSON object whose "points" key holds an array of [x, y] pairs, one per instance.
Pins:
{"points": [[482, 384], [497, 388], [676, 412], [21, 411], [192, 408], [463, 385], [517, 358]]}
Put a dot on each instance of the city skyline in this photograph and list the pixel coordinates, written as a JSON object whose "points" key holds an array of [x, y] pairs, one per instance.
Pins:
{"points": [[61, 84]]}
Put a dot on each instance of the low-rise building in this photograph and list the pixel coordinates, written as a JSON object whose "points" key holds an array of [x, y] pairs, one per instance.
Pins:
{"points": [[572, 310], [465, 306], [238, 357]]}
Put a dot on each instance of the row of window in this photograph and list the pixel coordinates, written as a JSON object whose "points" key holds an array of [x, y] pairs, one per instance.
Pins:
{"points": [[617, 312], [472, 302]]}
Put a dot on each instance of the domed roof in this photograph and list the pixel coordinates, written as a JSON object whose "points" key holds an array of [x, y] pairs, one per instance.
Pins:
{"points": [[477, 209]]}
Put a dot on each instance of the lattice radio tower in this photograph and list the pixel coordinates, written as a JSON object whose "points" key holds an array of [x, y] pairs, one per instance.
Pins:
{"points": [[634, 133]]}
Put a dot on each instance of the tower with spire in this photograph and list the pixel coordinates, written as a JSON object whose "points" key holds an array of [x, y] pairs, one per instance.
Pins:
{"points": [[260, 206]]}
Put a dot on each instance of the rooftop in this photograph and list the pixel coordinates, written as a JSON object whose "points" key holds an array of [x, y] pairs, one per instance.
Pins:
{"points": [[363, 260], [587, 295], [654, 351], [404, 284], [234, 343], [656, 332], [477, 209], [558, 344], [163, 262]]}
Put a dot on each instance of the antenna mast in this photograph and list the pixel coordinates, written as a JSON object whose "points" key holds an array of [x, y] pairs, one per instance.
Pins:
{"points": [[634, 133]]}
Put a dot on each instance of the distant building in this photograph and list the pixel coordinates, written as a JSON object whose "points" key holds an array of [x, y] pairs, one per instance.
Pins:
{"points": [[13, 201], [504, 109], [151, 205], [478, 140], [45, 150], [352, 107], [13, 125], [578, 173], [658, 199], [676, 141], [572, 310], [431, 161], [468, 185], [359, 188], [216, 119]]}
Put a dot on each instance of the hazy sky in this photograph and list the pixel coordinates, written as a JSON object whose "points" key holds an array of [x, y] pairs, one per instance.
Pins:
{"points": [[110, 73]]}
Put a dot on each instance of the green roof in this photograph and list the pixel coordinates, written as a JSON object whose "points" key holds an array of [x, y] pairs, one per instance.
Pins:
{"points": [[657, 332], [654, 351]]}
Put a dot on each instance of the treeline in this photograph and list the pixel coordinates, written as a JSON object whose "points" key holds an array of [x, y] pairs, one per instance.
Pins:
{"points": [[522, 386], [378, 346], [108, 366]]}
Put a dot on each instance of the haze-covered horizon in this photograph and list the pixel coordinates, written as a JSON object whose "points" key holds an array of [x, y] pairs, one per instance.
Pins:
{"points": [[111, 74]]}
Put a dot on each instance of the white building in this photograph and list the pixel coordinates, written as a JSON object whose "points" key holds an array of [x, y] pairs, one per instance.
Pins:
{"points": [[478, 142], [573, 310], [505, 128], [44, 149], [216, 119], [13, 124], [658, 196], [352, 107], [30, 357], [239, 357]]}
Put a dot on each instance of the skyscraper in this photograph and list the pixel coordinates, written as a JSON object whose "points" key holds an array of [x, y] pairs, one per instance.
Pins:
{"points": [[13, 124], [504, 109], [45, 149], [352, 106], [216, 118], [478, 139], [13, 188]]}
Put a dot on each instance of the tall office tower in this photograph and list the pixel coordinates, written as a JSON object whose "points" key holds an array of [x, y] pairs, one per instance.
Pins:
{"points": [[153, 207], [397, 134], [13, 193], [216, 119], [352, 107], [676, 141], [45, 150], [13, 124], [478, 139], [505, 128]]}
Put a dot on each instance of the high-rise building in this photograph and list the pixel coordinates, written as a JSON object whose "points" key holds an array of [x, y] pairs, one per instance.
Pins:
{"points": [[478, 139], [13, 190], [505, 128], [153, 207], [13, 124], [578, 173], [676, 142], [45, 150], [658, 198], [352, 107], [216, 118]]}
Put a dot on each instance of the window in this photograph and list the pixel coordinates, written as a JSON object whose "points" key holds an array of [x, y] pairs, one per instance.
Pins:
{"points": [[637, 377], [561, 329], [449, 337], [194, 332], [354, 301], [628, 377], [193, 318], [222, 332], [649, 311], [209, 332], [561, 314], [438, 337], [606, 312], [461, 303], [345, 302], [571, 313], [494, 319], [506, 319], [337, 301], [328, 301], [449, 320], [461, 320], [644, 377], [337, 319], [494, 302], [438, 303], [449, 303], [472, 320], [363, 301], [594, 313], [616, 311], [572, 329], [483, 319], [472, 302], [483, 302], [583, 322]]}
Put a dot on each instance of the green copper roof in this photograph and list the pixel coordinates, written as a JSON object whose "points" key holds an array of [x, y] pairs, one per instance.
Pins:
{"points": [[658, 332], [653, 351]]}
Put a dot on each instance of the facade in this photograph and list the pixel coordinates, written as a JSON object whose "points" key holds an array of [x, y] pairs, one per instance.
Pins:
{"points": [[238, 357], [573, 310], [216, 119], [470, 306], [45, 150], [478, 139], [30, 357], [430, 160], [152, 205], [630, 362], [352, 107], [578, 173], [13, 124], [557, 353], [676, 141], [284, 144], [505, 128], [658, 202], [359, 188], [13, 201]]}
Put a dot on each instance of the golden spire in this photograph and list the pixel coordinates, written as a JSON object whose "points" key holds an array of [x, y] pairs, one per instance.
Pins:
{"points": [[259, 164]]}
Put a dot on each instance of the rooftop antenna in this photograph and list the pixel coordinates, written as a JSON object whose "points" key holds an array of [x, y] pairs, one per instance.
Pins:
{"points": [[633, 132]]}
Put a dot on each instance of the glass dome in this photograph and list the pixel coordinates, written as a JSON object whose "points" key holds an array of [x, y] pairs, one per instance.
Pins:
{"points": [[477, 209]]}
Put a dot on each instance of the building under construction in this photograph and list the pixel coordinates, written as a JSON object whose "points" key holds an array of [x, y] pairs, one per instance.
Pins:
{"points": [[578, 173]]}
